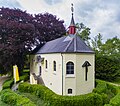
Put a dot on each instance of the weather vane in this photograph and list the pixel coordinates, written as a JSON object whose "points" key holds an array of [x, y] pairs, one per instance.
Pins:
{"points": [[72, 9]]}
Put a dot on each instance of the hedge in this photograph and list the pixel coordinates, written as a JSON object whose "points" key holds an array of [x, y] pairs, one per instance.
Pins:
{"points": [[24, 77], [101, 87], [8, 83], [53, 99], [115, 101], [13, 99], [109, 93], [107, 105]]}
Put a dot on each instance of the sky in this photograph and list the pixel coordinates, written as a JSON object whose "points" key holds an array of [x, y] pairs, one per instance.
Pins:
{"points": [[101, 16]]}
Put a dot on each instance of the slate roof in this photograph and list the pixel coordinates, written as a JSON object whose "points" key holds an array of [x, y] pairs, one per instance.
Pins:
{"points": [[66, 44]]}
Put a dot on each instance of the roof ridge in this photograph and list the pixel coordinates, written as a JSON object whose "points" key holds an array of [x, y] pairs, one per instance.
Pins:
{"points": [[75, 43], [55, 39], [68, 45], [84, 43]]}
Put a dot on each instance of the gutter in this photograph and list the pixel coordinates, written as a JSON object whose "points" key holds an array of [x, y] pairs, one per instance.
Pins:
{"points": [[62, 73]]}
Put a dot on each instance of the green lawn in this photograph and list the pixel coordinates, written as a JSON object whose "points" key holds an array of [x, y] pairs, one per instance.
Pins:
{"points": [[2, 103]]}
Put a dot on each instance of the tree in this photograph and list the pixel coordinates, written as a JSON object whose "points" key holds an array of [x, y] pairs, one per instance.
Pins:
{"points": [[111, 47], [107, 67], [15, 42], [107, 58], [83, 32], [20, 32], [48, 27], [97, 43]]}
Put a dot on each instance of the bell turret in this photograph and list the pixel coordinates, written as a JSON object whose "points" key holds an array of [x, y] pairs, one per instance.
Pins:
{"points": [[72, 27]]}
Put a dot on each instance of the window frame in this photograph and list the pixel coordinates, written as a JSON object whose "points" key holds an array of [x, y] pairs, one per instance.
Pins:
{"points": [[46, 64], [70, 91], [70, 68], [54, 66]]}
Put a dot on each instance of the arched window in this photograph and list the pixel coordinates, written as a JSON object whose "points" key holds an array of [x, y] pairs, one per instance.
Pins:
{"points": [[54, 65], [70, 68], [69, 91], [46, 64]]}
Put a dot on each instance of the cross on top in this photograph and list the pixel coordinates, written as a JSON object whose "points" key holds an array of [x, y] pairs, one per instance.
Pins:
{"points": [[72, 9]]}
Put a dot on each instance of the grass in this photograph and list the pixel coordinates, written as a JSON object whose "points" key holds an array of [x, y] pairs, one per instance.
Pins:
{"points": [[2, 103], [34, 99]]}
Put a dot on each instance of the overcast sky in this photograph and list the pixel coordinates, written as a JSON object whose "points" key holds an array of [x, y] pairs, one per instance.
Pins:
{"points": [[102, 16]]}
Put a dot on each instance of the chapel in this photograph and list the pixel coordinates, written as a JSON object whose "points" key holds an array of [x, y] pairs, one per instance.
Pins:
{"points": [[64, 65]]}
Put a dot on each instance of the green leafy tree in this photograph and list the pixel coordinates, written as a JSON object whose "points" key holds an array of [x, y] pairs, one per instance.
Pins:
{"points": [[107, 58], [111, 47], [107, 67], [97, 43], [83, 32]]}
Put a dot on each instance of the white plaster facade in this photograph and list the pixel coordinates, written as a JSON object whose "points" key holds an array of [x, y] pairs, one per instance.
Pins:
{"points": [[58, 81]]}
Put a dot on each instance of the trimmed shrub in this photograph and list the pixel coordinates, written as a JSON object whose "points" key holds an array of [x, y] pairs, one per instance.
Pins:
{"points": [[114, 89], [107, 105], [104, 87], [8, 84], [116, 100], [24, 77], [11, 98], [101, 87], [53, 99], [106, 90]]}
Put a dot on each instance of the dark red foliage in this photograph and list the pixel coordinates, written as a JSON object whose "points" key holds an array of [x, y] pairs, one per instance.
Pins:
{"points": [[49, 27], [20, 32], [15, 15]]}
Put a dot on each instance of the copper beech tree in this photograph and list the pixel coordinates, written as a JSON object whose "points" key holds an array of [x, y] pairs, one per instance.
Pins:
{"points": [[21, 31]]}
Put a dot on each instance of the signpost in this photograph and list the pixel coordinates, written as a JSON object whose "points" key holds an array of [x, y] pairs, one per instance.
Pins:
{"points": [[15, 73]]}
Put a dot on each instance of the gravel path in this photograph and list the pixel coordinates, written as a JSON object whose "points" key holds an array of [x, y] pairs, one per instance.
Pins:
{"points": [[2, 79]]}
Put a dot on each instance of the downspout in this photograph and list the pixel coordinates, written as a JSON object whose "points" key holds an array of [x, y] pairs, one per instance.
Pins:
{"points": [[62, 73]]}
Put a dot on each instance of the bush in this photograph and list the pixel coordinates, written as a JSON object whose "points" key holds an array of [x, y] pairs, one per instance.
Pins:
{"points": [[116, 100], [101, 87], [8, 84], [107, 105], [14, 99], [114, 89], [53, 99], [104, 87], [24, 77], [106, 90], [107, 67]]}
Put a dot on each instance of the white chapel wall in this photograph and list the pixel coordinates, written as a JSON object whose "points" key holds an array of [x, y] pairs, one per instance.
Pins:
{"points": [[83, 86], [69, 80], [77, 81], [51, 78], [34, 68]]}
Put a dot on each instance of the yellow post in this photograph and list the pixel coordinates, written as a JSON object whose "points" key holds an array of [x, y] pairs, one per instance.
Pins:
{"points": [[15, 73]]}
